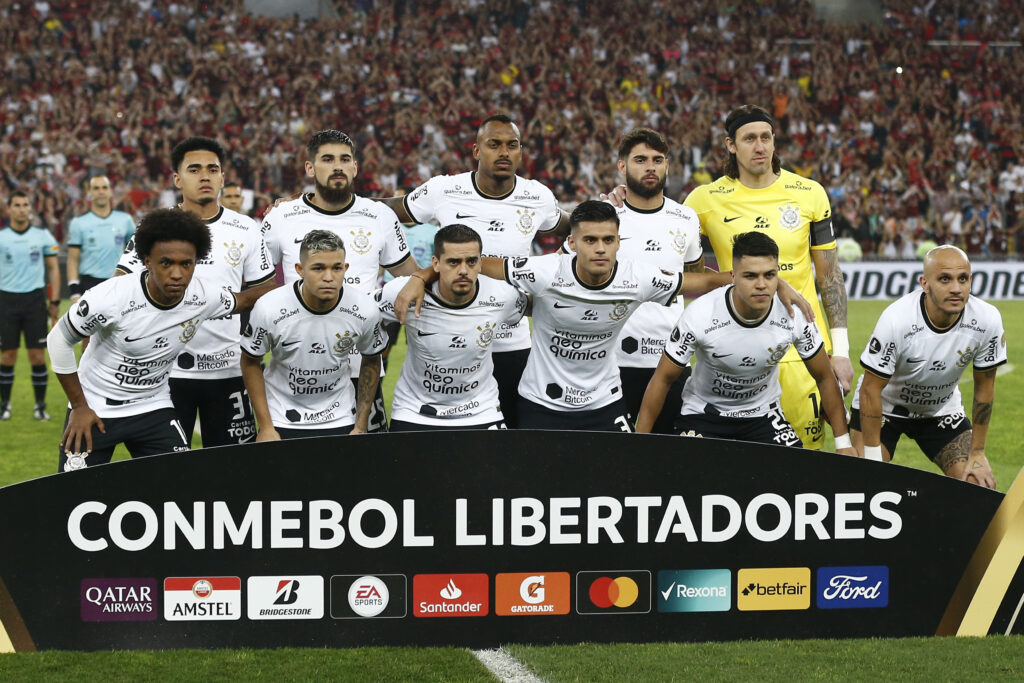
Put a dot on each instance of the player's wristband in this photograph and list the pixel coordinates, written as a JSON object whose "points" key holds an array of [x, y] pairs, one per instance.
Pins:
{"points": [[873, 453], [840, 342], [843, 441], [75, 287]]}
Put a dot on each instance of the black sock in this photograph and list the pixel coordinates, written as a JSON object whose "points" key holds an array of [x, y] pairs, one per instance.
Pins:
{"points": [[39, 378], [6, 382]]}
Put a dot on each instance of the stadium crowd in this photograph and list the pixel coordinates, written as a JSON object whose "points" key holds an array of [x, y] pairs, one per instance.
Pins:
{"points": [[913, 125]]}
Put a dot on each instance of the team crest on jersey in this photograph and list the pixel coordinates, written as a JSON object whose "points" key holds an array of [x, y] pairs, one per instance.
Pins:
{"points": [[360, 241], [188, 330], [678, 240], [967, 356], [789, 216], [234, 253], [620, 311], [525, 222], [776, 354], [486, 335], [345, 343]]}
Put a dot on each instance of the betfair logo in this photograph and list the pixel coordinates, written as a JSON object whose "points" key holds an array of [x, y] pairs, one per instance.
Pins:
{"points": [[783, 588]]}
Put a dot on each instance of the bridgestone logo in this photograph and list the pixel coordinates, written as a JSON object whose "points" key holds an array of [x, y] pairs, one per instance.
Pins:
{"points": [[285, 612]]}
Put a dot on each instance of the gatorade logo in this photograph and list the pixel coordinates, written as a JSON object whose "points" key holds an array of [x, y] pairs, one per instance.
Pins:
{"points": [[533, 593], [613, 592]]}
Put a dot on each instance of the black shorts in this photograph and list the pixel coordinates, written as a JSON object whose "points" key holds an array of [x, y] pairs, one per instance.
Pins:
{"points": [[378, 422], [143, 435], [23, 313], [768, 429], [932, 434], [225, 414], [401, 426], [634, 384], [508, 370], [287, 433], [611, 418], [87, 282]]}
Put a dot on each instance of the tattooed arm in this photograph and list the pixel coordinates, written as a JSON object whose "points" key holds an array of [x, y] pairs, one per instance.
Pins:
{"points": [[369, 375], [870, 433], [829, 279], [695, 267], [981, 412]]}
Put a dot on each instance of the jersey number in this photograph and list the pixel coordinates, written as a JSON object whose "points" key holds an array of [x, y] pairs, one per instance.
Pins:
{"points": [[181, 432], [238, 401]]}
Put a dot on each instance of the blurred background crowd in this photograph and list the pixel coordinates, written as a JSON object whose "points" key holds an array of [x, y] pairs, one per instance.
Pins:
{"points": [[913, 122]]}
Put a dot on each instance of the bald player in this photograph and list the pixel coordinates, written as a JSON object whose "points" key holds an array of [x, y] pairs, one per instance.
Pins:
{"points": [[917, 353]]}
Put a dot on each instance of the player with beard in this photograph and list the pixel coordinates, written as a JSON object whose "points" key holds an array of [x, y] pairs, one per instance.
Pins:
{"points": [[371, 232], [207, 376], [917, 354], [507, 211]]}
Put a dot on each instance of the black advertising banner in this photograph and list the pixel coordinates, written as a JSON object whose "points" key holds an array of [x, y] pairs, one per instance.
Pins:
{"points": [[888, 280], [482, 538]]}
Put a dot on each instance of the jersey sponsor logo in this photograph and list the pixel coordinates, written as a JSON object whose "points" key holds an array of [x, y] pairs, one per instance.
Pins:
{"points": [[937, 366], [652, 245], [420, 192], [214, 598], [526, 197], [615, 592], [317, 348], [285, 313], [784, 588], [853, 587], [747, 362], [589, 314], [361, 242], [83, 308], [730, 219], [526, 222], [761, 223], [798, 185], [132, 306], [524, 275], [233, 255], [378, 596], [661, 284], [453, 190], [457, 342], [118, 600], [495, 226], [160, 343], [285, 597], [716, 324], [527, 594], [721, 190], [952, 421], [695, 590], [789, 216], [450, 595]]}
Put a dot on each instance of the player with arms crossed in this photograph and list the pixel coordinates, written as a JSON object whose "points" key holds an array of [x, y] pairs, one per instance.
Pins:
{"points": [[310, 329], [740, 334], [139, 324], [918, 351], [369, 229], [447, 379], [207, 377], [507, 211]]}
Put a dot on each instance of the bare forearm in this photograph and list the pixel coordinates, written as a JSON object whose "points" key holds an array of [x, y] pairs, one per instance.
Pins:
{"points": [[72, 265], [397, 204], [369, 376], [252, 376], [53, 277], [832, 288], [493, 267], [981, 408], [654, 397], [73, 390], [871, 417], [695, 284]]}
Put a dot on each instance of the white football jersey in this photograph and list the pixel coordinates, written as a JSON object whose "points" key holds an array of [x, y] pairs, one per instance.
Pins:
{"points": [[447, 375], [134, 340], [308, 377], [667, 237], [371, 232], [238, 254], [737, 369], [506, 224], [924, 364], [576, 326]]}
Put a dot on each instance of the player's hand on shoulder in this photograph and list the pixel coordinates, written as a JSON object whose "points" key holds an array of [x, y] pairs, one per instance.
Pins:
{"points": [[411, 295], [281, 200], [617, 196], [790, 298], [268, 434], [843, 368]]}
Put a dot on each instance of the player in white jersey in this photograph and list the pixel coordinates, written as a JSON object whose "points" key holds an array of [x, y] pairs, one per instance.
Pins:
{"points": [[139, 324], [447, 379], [652, 229], [370, 230], [918, 351], [507, 211], [739, 334], [207, 377], [310, 328]]}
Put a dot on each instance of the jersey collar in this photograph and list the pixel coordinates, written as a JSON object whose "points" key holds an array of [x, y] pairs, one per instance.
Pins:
{"points": [[455, 307], [928, 321], [508, 194], [297, 288], [145, 293], [635, 209], [595, 288], [310, 204], [735, 316]]}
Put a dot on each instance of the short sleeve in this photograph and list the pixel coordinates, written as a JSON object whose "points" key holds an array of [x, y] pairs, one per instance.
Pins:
{"points": [[95, 310], [129, 226], [822, 234], [75, 233], [385, 298], [529, 274], [880, 355], [50, 245], [993, 352], [421, 203], [396, 249], [698, 201], [220, 303], [806, 337], [271, 238], [657, 284], [257, 268], [373, 340], [129, 261], [550, 213], [682, 341], [518, 300], [256, 340]]}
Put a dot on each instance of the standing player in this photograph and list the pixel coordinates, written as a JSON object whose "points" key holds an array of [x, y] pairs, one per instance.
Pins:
{"points": [[231, 197], [507, 211], [139, 324], [97, 238], [756, 194], [207, 377], [28, 265], [739, 335], [310, 328], [369, 229], [447, 380], [917, 353]]}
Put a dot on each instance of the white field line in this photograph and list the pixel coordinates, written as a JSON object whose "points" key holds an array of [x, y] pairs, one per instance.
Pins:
{"points": [[1004, 369], [505, 667]]}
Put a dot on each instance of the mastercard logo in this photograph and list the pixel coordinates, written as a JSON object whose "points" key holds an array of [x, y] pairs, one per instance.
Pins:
{"points": [[613, 592], [621, 591]]}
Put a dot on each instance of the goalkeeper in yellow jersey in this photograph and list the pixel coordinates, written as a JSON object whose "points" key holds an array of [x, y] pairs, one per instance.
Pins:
{"points": [[756, 194]]}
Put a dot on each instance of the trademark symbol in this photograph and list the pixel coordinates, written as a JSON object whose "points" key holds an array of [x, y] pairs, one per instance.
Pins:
{"points": [[911, 494]]}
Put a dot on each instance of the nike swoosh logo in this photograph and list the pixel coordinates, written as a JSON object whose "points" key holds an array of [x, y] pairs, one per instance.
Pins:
{"points": [[130, 340], [665, 593], [420, 333], [915, 360], [247, 439], [460, 216], [291, 343], [720, 355], [730, 220], [299, 241], [623, 239], [558, 306]]}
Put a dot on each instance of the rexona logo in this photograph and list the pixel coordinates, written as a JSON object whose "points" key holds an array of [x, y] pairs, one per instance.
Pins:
{"points": [[210, 598], [851, 587], [118, 599], [614, 592], [695, 590], [531, 593], [450, 595], [361, 596], [773, 589], [285, 597]]}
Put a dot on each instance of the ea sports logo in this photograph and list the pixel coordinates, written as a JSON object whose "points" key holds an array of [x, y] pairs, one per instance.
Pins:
{"points": [[368, 596]]}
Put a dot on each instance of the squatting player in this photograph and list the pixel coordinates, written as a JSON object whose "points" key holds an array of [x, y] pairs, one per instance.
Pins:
{"points": [[310, 328], [917, 353], [740, 334], [369, 229], [139, 324], [507, 211], [447, 379]]}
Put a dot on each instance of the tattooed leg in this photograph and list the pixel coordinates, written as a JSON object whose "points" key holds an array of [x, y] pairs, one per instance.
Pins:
{"points": [[953, 456]]}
